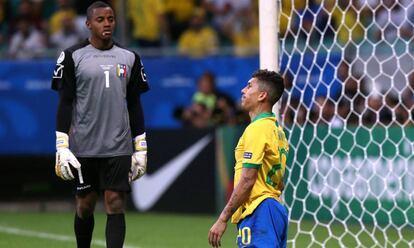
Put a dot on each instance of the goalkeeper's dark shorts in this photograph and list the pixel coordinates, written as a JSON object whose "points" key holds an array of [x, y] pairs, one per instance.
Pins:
{"points": [[101, 174], [266, 227]]}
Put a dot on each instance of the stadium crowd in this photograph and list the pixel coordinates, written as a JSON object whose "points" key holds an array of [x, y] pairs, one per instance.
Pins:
{"points": [[352, 26], [201, 27], [196, 28]]}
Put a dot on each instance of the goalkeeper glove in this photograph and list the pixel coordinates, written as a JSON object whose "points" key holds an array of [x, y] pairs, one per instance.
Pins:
{"points": [[139, 158], [65, 159]]}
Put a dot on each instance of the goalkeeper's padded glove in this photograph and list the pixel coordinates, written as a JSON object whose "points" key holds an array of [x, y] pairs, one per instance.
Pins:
{"points": [[139, 158], [65, 159]]}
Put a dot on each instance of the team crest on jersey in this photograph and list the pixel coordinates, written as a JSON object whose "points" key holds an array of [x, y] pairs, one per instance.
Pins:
{"points": [[121, 70], [247, 155]]}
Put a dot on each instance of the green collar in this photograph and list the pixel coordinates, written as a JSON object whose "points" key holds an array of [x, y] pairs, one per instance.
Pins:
{"points": [[263, 115]]}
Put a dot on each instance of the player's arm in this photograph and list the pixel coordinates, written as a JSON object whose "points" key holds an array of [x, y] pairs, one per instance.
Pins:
{"points": [[64, 82], [137, 85], [240, 194], [254, 146]]}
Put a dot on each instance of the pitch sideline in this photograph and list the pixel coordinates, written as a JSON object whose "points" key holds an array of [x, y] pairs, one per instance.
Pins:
{"points": [[51, 236]]}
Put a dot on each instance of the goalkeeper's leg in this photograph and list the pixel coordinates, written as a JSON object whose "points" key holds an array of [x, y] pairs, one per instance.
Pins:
{"points": [[84, 219], [115, 222], [116, 186]]}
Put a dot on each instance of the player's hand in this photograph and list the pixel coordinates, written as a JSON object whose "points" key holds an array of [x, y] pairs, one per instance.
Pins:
{"points": [[216, 232], [65, 159], [139, 158]]}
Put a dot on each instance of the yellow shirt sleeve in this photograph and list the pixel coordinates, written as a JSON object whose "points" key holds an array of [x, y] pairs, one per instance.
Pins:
{"points": [[255, 143]]}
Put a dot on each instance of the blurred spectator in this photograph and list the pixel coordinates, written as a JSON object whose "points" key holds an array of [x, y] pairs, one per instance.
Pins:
{"points": [[36, 13], [4, 19], [197, 115], [295, 113], [365, 10], [379, 111], [328, 112], [287, 17], [209, 107], [64, 11], [345, 21], [371, 114], [391, 104], [25, 10], [27, 42], [222, 11], [393, 20], [243, 31], [225, 112], [149, 23], [315, 115], [178, 14], [408, 93], [402, 115], [206, 93], [199, 39], [340, 118], [67, 36], [310, 24]]}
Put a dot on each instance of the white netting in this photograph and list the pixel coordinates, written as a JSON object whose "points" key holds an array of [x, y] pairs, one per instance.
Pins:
{"points": [[349, 112]]}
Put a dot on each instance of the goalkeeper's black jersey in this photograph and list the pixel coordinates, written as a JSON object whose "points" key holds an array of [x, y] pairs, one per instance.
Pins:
{"points": [[99, 81]]}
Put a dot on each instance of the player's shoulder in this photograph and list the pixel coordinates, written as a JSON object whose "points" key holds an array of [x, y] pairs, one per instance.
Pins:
{"points": [[263, 120], [125, 49], [132, 53], [65, 56], [77, 46], [261, 126]]}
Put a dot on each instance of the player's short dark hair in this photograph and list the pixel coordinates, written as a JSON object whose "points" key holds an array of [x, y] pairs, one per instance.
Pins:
{"points": [[95, 5], [271, 82]]}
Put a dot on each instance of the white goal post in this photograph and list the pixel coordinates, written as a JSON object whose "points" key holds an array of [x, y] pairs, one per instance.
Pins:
{"points": [[269, 45]]}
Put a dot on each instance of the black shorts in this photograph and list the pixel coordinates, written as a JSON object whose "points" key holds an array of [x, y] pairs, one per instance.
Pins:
{"points": [[101, 174]]}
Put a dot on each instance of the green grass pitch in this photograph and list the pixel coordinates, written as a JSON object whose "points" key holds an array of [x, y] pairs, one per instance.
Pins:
{"points": [[153, 230], [156, 230]]}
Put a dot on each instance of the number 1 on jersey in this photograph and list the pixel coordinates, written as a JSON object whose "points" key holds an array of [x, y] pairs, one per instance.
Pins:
{"points": [[106, 79]]}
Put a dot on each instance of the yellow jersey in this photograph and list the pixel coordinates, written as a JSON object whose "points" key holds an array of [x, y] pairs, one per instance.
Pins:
{"points": [[263, 146], [198, 44], [145, 17]]}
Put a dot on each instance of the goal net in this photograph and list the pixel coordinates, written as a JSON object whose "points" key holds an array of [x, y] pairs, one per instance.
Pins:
{"points": [[348, 112]]}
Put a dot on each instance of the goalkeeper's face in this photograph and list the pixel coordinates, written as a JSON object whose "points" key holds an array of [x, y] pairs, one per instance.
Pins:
{"points": [[102, 23], [251, 95]]}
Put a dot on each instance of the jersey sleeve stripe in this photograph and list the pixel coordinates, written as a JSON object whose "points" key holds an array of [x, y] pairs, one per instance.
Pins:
{"points": [[251, 166]]}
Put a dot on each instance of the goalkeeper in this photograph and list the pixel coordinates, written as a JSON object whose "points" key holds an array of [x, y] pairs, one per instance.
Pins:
{"points": [[100, 138], [261, 153]]}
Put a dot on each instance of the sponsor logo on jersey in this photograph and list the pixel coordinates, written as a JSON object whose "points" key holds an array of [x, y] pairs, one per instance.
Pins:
{"points": [[247, 155], [104, 56], [121, 70]]}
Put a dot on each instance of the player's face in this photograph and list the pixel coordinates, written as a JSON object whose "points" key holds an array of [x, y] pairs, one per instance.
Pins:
{"points": [[102, 23], [250, 95]]}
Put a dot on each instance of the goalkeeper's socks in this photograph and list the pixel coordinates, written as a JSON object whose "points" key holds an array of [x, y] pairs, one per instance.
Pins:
{"points": [[84, 230], [115, 230]]}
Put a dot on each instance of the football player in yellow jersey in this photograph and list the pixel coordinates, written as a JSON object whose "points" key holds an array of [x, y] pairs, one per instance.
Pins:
{"points": [[261, 154]]}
